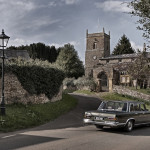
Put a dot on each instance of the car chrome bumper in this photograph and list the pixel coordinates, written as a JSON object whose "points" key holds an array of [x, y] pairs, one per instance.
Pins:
{"points": [[104, 123]]}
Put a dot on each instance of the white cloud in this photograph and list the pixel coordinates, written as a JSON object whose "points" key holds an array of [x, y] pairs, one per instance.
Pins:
{"points": [[15, 10], [17, 4], [136, 47], [74, 43], [25, 15], [25, 5], [57, 45], [111, 5], [46, 21], [18, 42], [52, 4], [70, 2]]}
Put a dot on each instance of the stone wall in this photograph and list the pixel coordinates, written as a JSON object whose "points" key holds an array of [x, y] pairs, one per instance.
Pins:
{"points": [[15, 93], [126, 91]]}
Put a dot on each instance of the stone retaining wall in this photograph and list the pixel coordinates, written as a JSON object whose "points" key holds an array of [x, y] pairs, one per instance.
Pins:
{"points": [[126, 91], [15, 93]]}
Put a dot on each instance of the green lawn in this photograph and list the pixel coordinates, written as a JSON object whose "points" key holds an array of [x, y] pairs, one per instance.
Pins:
{"points": [[24, 116], [85, 92], [112, 96], [115, 96]]}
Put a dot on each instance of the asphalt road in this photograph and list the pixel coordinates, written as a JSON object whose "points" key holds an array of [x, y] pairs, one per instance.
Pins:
{"points": [[68, 133]]}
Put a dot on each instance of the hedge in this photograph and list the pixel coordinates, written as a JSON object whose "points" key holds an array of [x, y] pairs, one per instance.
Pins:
{"points": [[36, 77]]}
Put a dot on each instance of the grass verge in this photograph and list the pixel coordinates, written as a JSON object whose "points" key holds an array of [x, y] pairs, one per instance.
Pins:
{"points": [[113, 96], [24, 116], [85, 92]]}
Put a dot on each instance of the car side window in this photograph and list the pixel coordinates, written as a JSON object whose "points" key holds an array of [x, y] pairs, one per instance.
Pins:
{"points": [[131, 107], [142, 107], [136, 107], [124, 108]]}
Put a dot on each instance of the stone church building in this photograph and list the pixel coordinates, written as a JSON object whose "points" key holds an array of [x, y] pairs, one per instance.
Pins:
{"points": [[103, 66]]}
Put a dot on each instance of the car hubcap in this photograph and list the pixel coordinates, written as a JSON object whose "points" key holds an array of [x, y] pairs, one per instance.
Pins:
{"points": [[130, 125]]}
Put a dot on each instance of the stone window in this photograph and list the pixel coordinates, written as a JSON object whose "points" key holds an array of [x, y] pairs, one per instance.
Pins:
{"points": [[128, 79], [123, 73], [124, 79], [94, 45]]}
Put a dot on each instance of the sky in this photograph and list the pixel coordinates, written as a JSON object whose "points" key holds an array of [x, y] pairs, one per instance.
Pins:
{"points": [[58, 22]]}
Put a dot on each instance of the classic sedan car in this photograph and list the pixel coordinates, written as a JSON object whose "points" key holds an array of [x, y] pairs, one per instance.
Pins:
{"points": [[126, 114]]}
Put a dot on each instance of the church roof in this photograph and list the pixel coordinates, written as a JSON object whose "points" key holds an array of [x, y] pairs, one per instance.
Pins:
{"points": [[15, 53], [123, 56]]}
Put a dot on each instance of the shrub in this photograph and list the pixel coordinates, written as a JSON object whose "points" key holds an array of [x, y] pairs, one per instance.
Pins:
{"points": [[69, 82], [68, 85], [36, 77], [85, 83], [80, 83]]}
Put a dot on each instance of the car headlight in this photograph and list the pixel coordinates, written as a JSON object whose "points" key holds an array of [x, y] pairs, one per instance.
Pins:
{"points": [[87, 114]]}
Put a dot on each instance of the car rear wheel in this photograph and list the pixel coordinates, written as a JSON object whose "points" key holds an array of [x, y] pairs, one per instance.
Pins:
{"points": [[129, 126], [99, 126]]}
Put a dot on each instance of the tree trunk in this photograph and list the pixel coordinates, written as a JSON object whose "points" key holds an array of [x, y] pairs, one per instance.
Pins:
{"points": [[136, 84], [141, 84]]}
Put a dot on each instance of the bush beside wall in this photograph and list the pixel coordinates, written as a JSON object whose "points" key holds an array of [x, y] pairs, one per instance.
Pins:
{"points": [[37, 78], [82, 83]]}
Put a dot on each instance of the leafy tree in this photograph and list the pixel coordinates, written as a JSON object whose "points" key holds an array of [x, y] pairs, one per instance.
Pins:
{"points": [[68, 61], [139, 69], [39, 50], [52, 54], [22, 47], [12, 48], [141, 8], [123, 47], [32, 51]]}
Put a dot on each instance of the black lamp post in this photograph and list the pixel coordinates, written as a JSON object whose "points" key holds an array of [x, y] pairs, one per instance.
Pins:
{"points": [[3, 43]]}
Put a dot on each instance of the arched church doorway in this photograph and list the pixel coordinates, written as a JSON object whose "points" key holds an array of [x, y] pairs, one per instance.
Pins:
{"points": [[102, 81]]}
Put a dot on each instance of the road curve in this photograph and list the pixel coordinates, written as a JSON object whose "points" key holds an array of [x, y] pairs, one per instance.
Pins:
{"points": [[74, 117], [67, 133]]}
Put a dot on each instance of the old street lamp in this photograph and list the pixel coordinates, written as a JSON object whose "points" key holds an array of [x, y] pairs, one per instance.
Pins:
{"points": [[3, 43]]}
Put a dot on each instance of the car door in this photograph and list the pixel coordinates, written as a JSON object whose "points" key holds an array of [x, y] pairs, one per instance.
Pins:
{"points": [[146, 114], [136, 113]]}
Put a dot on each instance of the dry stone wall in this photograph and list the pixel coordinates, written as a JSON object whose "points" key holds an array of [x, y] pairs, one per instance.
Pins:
{"points": [[126, 91], [15, 93]]}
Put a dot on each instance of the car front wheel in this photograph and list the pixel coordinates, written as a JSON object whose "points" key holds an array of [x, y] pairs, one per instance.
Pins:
{"points": [[99, 126], [129, 126]]}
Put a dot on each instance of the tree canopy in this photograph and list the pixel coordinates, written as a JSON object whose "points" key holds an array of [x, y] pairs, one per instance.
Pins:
{"points": [[123, 47], [139, 69], [39, 51], [68, 61], [65, 58], [141, 8]]}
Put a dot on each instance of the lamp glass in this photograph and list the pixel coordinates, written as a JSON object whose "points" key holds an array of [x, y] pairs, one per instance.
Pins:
{"points": [[3, 39], [3, 42]]}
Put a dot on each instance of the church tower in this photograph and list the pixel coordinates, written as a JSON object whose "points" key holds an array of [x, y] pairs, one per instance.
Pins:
{"points": [[97, 46]]}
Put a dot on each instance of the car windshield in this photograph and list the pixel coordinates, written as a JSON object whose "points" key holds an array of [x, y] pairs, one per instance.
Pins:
{"points": [[110, 105]]}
